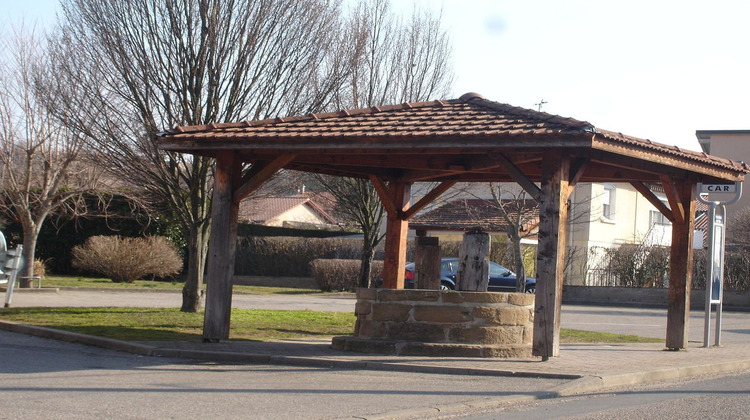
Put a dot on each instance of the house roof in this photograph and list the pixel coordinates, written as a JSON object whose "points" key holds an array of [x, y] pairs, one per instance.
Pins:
{"points": [[262, 209], [467, 214], [448, 139]]}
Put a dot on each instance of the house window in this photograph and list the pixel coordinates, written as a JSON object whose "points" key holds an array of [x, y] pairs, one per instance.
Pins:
{"points": [[657, 218], [608, 202]]}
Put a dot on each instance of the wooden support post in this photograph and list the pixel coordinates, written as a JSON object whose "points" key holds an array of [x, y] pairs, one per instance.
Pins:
{"points": [[221, 249], [681, 267], [396, 229], [553, 217], [427, 262], [474, 262]]}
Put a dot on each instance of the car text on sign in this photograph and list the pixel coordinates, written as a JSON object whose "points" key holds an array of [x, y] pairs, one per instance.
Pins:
{"points": [[718, 188]]}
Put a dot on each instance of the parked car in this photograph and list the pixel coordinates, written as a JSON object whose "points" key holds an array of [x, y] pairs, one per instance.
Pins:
{"points": [[501, 279]]}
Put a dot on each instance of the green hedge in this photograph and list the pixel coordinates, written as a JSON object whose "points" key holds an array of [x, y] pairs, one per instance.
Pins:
{"points": [[340, 275], [60, 233], [291, 257]]}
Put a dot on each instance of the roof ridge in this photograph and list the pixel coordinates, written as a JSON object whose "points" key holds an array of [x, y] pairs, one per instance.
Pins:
{"points": [[475, 98]]}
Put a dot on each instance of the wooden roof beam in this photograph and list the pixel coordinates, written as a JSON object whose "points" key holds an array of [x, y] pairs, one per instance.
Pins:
{"points": [[258, 174], [653, 199], [384, 194], [675, 201], [428, 198], [527, 184]]}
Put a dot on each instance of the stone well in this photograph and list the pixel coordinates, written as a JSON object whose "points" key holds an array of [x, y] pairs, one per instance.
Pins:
{"points": [[441, 323]]}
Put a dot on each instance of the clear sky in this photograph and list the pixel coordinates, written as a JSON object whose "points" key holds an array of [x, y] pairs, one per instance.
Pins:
{"points": [[656, 69]]}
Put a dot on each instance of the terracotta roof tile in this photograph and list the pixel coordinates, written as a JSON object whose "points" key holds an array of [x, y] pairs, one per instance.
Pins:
{"points": [[262, 209], [469, 116]]}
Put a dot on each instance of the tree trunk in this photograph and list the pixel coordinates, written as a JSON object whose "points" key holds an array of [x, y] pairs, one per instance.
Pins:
{"points": [[520, 267], [365, 269], [30, 236], [192, 292]]}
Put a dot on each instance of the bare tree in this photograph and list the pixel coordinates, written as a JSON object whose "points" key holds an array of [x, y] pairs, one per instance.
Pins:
{"points": [[738, 231], [395, 61], [137, 67], [39, 158], [521, 215], [358, 200]]}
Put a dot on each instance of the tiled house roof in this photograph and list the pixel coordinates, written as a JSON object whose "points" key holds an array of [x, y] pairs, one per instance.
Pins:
{"points": [[263, 209], [467, 214], [470, 122]]}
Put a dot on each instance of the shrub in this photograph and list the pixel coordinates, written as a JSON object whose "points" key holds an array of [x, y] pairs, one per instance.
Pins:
{"points": [[337, 274], [291, 256], [40, 268], [125, 260]]}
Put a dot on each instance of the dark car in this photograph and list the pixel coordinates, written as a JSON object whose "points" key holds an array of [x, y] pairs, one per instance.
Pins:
{"points": [[501, 279]]}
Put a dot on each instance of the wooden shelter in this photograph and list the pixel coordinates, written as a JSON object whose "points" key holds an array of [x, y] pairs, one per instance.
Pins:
{"points": [[467, 139]]}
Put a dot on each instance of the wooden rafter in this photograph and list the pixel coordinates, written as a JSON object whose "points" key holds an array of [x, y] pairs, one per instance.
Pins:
{"points": [[654, 200], [259, 174], [675, 201], [428, 198], [385, 195], [528, 185]]}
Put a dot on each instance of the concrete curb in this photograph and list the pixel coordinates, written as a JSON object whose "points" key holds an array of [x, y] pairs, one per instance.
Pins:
{"points": [[582, 385], [578, 384], [254, 358], [32, 290]]}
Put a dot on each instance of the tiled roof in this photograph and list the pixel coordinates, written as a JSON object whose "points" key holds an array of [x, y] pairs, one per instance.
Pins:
{"points": [[466, 116], [467, 214], [469, 124], [262, 209]]}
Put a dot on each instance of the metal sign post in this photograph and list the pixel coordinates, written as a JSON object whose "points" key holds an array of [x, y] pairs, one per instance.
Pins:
{"points": [[715, 263], [13, 264]]}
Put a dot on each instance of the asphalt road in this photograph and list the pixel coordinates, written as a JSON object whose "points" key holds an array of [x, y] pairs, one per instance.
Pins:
{"points": [[45, 379], [646, 322], [722, 397]]}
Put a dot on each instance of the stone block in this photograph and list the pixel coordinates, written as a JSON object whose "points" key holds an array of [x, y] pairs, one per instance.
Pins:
{"points": [[363, 307], [440, 350], [409, 295], [367, 294], [521, 299], [370, 329], [416, 332], [486, 312], [508, 352], [452, 297], [442, 314], [486, 335], [485, 297], [528, 334], [395, 312], [514, 316]]}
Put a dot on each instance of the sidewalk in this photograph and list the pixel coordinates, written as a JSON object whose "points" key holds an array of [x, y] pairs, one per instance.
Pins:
{"points": [[580, 368]]}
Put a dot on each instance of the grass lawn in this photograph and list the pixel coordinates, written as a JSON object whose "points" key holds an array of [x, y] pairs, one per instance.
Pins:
{"points": [[159, 324], [155, 324], [73, 281]]}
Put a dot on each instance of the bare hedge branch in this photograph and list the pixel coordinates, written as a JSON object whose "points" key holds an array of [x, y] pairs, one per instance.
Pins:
{"points": [[125, 260]]}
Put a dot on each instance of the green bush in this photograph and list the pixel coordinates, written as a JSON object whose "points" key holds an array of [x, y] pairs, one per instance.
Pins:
{"points": [[290, 256], [340, 275], [105, 215], [736, 269], [125, 260]]}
